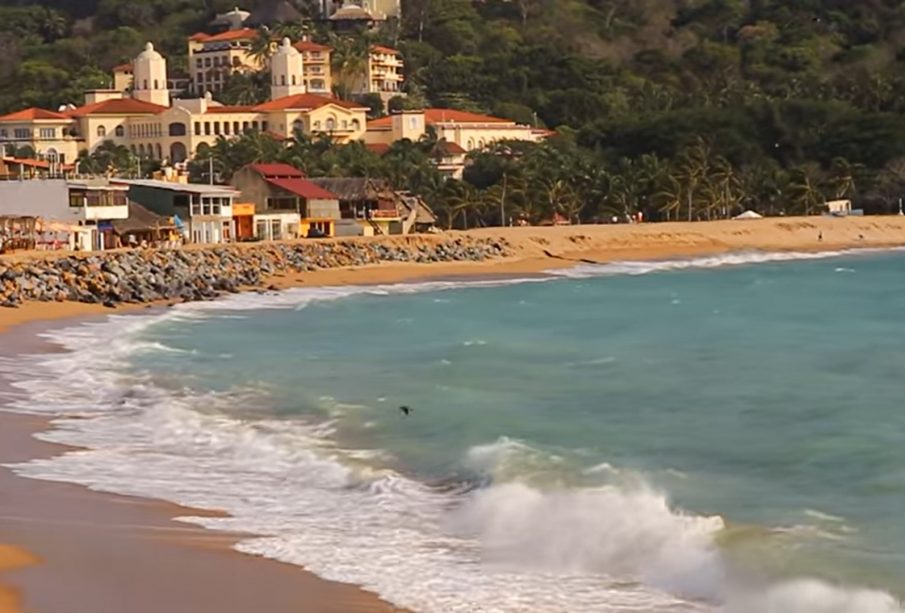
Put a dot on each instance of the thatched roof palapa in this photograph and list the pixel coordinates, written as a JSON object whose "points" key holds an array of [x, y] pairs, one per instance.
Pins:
{"points": [[142, 220]]}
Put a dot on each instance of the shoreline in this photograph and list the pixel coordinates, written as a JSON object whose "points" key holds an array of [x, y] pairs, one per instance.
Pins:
{"points": [[62, 542], [30, 563]]}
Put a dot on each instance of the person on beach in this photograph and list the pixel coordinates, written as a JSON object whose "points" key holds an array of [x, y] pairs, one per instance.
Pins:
{"points": [[820, 236]]}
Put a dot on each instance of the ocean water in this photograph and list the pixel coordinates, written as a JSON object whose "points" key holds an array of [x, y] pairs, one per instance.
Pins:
{"points": [[720, 434]]}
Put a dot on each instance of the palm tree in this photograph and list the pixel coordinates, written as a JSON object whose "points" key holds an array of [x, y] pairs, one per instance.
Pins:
{"points": [[805, 189], [843, 178], [693, 168], [349, 63], [262, 46]]}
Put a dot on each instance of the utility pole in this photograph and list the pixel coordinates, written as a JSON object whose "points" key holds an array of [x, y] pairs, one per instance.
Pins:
{"points": [[503, 201]]}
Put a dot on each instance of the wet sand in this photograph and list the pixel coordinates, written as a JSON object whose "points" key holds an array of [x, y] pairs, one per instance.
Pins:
{"points": [[65, 548]]}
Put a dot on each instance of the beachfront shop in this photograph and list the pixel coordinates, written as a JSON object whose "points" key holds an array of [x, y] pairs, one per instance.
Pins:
{"points": [[204, 213]]}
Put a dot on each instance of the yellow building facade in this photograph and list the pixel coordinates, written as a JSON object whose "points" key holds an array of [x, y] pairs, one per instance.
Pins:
{"points": [[156, 128]]}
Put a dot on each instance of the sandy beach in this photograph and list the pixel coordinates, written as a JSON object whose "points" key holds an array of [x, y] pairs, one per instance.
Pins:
{"points": [[62, 543]]}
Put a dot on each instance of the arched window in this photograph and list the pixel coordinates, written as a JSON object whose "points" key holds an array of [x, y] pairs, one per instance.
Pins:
{"points": [[331, 124], [282, 79], [179, 129], [101, 131], [481, 143], [120, 131], [298, 126], [470, 144]]}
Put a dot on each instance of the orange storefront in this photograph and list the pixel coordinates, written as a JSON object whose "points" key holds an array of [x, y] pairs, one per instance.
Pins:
{"points": [[244, 218]]}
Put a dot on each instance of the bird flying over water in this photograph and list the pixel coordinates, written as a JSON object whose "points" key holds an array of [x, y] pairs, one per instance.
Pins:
{"points": [[406, 410]]}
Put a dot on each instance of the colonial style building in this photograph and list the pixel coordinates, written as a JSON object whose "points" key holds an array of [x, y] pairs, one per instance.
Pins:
{"points": [[460, 132], [154, 126]]}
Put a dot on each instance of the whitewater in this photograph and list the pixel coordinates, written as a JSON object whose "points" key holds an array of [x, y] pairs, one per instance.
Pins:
{"points": [[522, 482]]}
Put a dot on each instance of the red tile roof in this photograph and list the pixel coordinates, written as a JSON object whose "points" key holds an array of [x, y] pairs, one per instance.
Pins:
{"points": [[27, 162], [199, 37], [451, 148], [307, 45], [433, 116], [123, 68], [118, 106], [382, 49], [243, 34], [32, 114], [271, 171], [305, 102], [304, 188]]}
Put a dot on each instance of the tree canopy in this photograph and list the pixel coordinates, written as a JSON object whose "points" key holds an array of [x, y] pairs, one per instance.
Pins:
{"points": [[679, 108]]}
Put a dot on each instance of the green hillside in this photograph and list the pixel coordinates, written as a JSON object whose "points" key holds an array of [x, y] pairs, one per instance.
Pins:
{"points": [[769, 103]]}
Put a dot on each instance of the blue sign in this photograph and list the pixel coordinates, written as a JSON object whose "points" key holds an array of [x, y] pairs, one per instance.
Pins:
{"points": [[104, 226]]}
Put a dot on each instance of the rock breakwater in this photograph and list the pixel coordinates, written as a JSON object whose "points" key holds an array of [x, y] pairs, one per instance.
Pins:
{"points": [[151, 275]]}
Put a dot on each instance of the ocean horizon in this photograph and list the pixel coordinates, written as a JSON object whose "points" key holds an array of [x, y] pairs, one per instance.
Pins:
{"points": [[705, 434]]}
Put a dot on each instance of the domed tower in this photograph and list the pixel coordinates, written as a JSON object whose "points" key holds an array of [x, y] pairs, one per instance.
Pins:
{"points": [[150, 77], [286, 68]]}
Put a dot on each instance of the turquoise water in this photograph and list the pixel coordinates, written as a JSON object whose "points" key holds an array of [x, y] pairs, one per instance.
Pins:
{"points": [[690, 438]]}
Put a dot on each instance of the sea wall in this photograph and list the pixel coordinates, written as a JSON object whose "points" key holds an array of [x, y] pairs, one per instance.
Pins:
{"points": [[149, 275]]}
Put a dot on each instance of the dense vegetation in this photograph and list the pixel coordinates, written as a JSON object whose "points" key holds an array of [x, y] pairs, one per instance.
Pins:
{"points": [[679, 108]]}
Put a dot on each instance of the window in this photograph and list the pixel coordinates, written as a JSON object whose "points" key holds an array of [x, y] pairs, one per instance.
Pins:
{"points": [[293, 80], [331, 124], [207, 128], [217, 128], [255, 126], [345, 124], [263, 126], [101, 131], [144, 84], [282, 204], [317, 125], [298, 126], [156, 84], [4, 133], [200, 77], [48, 133], [199, 63], [178, 129], [226, 128], [356, 125], [76, 199], [275, 229], [197, 128], [413, 123], [207, 62], [120, 131], [236, 128], [282, 79], [22, 133], [261, 229], [245, 126]]}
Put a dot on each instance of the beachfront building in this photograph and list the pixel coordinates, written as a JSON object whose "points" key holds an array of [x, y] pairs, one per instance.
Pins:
{"points": [[154, 126], [287, 205], [91, 206], [202, 213], [375, 208], [459, 131]]}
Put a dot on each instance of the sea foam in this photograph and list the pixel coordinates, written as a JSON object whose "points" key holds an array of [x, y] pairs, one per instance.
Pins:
{"points": [[512, 545]]}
